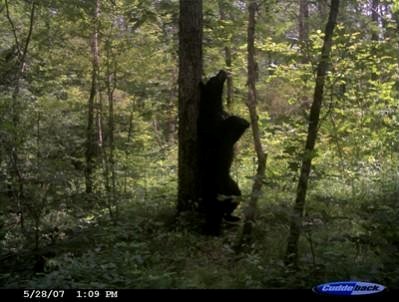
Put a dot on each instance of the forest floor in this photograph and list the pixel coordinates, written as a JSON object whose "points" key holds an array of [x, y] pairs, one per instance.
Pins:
{"points": [[147, 248]]}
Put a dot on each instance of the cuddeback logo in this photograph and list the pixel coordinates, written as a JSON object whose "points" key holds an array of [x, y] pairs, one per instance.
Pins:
{"points": [[348, 288]]}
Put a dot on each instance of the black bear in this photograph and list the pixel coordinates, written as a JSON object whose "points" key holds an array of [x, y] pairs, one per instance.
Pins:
{"points": [[217, 134]]}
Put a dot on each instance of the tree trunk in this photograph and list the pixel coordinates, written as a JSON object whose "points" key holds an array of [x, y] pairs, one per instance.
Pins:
{"points": [[90, 132], [250, 211], [228, 59], [104, 156], [396, 18], [303, 28], [297, 216], [111, 86], [376, 19], [15, 110], [190, 71], [375, 31], [303, 21], [108, 156]]}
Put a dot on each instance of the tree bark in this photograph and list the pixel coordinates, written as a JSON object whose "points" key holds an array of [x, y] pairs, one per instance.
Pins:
{"points": [[111, 86], [13, 28], [375, 30], [303, 27], [250, 211], [190, 72], [227, 58], [376, 18], [15, 109], [303, 21], [90, 132], [297, 215], [102, 146], [396, 18]]}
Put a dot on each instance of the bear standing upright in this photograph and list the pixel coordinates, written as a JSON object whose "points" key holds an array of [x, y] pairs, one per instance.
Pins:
{"points": [[217, 133]]}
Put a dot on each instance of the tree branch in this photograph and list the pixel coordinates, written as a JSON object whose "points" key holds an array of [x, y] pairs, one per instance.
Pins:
{"points": [[32, 19], [14, 30]]}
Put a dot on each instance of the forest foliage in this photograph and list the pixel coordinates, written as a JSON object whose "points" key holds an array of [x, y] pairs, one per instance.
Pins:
{"points": [[53, 233]]}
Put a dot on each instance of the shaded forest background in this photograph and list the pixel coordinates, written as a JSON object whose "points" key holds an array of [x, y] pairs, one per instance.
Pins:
{"points": [[88, 144]]}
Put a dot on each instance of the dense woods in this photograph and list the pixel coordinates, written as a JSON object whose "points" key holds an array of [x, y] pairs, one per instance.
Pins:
{"points": [[102, 167]]}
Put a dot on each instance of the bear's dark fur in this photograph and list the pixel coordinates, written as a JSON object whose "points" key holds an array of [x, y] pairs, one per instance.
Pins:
{"points": [[217, 134]]}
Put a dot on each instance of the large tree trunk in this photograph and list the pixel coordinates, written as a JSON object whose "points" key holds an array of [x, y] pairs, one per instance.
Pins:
{"points": [[90, 132], [227, 58], [190, 72], [297, 216], [250, 211]]}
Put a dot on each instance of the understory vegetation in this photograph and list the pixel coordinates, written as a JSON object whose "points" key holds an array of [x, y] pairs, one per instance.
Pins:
{"points": [[348, 234]]}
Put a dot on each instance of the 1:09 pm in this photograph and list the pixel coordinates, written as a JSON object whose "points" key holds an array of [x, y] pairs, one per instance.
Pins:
{"points": [[96, 294]]}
